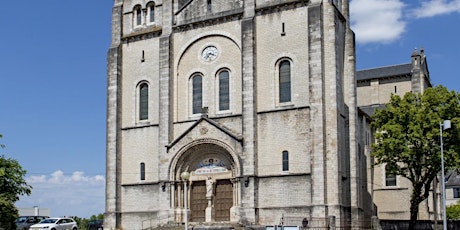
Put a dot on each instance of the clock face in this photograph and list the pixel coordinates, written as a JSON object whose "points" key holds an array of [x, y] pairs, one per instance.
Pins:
{"points": [[209, 53]]}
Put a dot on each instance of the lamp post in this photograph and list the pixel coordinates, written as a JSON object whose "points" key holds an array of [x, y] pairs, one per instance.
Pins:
{"points": [[443, 126], [185, 176]]}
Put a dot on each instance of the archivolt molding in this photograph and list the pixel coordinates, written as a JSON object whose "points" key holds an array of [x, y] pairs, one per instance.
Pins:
{"points": [[200, 36], [178, 163]]}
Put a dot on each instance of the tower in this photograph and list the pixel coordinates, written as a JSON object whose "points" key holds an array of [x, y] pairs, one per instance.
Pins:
{"points": [[254, 98]]}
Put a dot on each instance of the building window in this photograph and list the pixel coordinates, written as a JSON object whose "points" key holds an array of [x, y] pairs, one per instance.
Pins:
{"points": [[142, 171], [209, 6], [456, 192], [197, 100], [151, 12], [224, 90], [144, 101], [285, 161], [138, 15], [285, 81], [390, 179]]}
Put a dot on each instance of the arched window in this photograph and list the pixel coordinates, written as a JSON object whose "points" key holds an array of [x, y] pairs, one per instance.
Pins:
{"points": [[151, 12], [142, 171], [285, 161], [285, 81], [390, 179], [197, 91], [144, 101], [224, 90], [137, 15]]}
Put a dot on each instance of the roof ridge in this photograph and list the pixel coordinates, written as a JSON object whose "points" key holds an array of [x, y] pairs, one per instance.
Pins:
{"points": [[388, 66]]}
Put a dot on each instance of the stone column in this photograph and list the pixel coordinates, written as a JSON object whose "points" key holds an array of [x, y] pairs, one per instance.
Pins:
{"points": [[113, 174]]}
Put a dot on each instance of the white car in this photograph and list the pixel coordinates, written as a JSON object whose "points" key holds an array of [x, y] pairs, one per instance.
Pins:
{"points": [[55, 224]]}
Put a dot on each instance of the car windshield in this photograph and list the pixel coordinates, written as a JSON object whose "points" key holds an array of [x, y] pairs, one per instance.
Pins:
{"points": [[48, 221], [21, 219]]}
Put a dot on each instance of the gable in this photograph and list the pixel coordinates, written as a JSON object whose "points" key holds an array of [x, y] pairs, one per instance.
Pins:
{"points": [[205, 129]]}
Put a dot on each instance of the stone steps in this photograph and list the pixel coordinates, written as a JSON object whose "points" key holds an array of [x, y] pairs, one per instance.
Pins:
{"points": [[214, 226]]}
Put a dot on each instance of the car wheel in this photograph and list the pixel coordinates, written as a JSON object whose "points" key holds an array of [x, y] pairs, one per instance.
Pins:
{"points": [[100, 228], [74, 229]]}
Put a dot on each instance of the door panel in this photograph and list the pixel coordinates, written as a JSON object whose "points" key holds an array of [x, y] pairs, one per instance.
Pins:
{"points": [[223, 200], [198, 202]]}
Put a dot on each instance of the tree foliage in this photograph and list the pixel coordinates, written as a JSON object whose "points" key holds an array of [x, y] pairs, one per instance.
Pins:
{"points": [[83, 222], [453, 211], [12, 185], [408, 138]]}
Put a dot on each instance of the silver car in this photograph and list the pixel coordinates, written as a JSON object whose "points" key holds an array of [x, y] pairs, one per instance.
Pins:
{"points": [[55, 224]]}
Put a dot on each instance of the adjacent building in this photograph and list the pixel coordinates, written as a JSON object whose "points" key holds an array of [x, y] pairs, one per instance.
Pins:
{"points": [[391, 194], [255, 99]]}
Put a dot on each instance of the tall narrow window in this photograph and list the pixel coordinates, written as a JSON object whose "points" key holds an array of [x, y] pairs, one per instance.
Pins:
{"points": [[456, 192], [142, 171], [390, 179], [197, 94], [152, 13], [144, 102], [138, 16], [209, 5], [285, 81], [285, 161], [224, 90]]}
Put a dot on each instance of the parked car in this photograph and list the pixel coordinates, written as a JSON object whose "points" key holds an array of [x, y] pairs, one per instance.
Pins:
{"points": [[24, 222], [55, 224], [95, 225]]}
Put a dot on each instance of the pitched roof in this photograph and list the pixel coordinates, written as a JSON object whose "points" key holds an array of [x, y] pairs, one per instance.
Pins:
{"points": [[370, 109], [452, 179], [386, 71]]}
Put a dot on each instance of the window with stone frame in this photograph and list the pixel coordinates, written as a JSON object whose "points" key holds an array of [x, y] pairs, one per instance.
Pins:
{"points": [[284, 81], [143, 101], [285, 161], [151, 12], [456, 191], [197, 93], [142, 171], [137, 15], [390, 179], [224, 90]]}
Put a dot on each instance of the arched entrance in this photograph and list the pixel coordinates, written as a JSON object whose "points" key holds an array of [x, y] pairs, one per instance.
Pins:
{"points": [[212, 188]]}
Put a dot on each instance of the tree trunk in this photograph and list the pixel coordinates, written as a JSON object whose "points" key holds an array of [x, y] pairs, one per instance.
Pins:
{"points": [[413, 214], [415, 200]]}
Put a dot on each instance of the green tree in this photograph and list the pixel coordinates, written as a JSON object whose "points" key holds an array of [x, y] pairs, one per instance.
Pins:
{"points": [[12, 185], [453, 211], [408, 139], [83, 222]]}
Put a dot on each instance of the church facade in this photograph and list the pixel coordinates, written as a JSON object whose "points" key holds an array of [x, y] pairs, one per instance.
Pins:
{"points": [[254, 99]]}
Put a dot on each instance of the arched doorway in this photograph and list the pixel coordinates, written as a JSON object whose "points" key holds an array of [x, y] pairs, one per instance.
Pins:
{"points": [[212, 189]]}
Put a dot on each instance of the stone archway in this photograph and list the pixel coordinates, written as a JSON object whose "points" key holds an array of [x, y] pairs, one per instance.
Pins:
{"points": [[212, 190]]}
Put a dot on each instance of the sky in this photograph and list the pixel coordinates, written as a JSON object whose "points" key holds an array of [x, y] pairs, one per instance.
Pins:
{"points": [[53, 83]]}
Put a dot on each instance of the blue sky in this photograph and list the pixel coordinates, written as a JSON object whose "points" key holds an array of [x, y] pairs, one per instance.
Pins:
{"points": [[53, 83]]}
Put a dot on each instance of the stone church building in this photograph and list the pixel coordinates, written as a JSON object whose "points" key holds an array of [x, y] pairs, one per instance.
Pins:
{"points": [[255, 99], [390, 193]]}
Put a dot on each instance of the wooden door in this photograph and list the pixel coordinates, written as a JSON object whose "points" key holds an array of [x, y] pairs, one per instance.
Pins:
{"points": [[198, 202], [223, 200]]}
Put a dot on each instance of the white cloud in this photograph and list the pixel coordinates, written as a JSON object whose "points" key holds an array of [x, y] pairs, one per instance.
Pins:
{"points": [[433, 8], [378, 21], [66, 195]]}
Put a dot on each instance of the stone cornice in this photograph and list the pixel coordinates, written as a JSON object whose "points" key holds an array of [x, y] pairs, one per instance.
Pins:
{"points": [[213, 19], [143, 34], [285, 5]]}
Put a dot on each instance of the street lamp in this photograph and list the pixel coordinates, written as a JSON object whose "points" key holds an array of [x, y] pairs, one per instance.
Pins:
{"points": [[443, 126], [185, 176]]}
